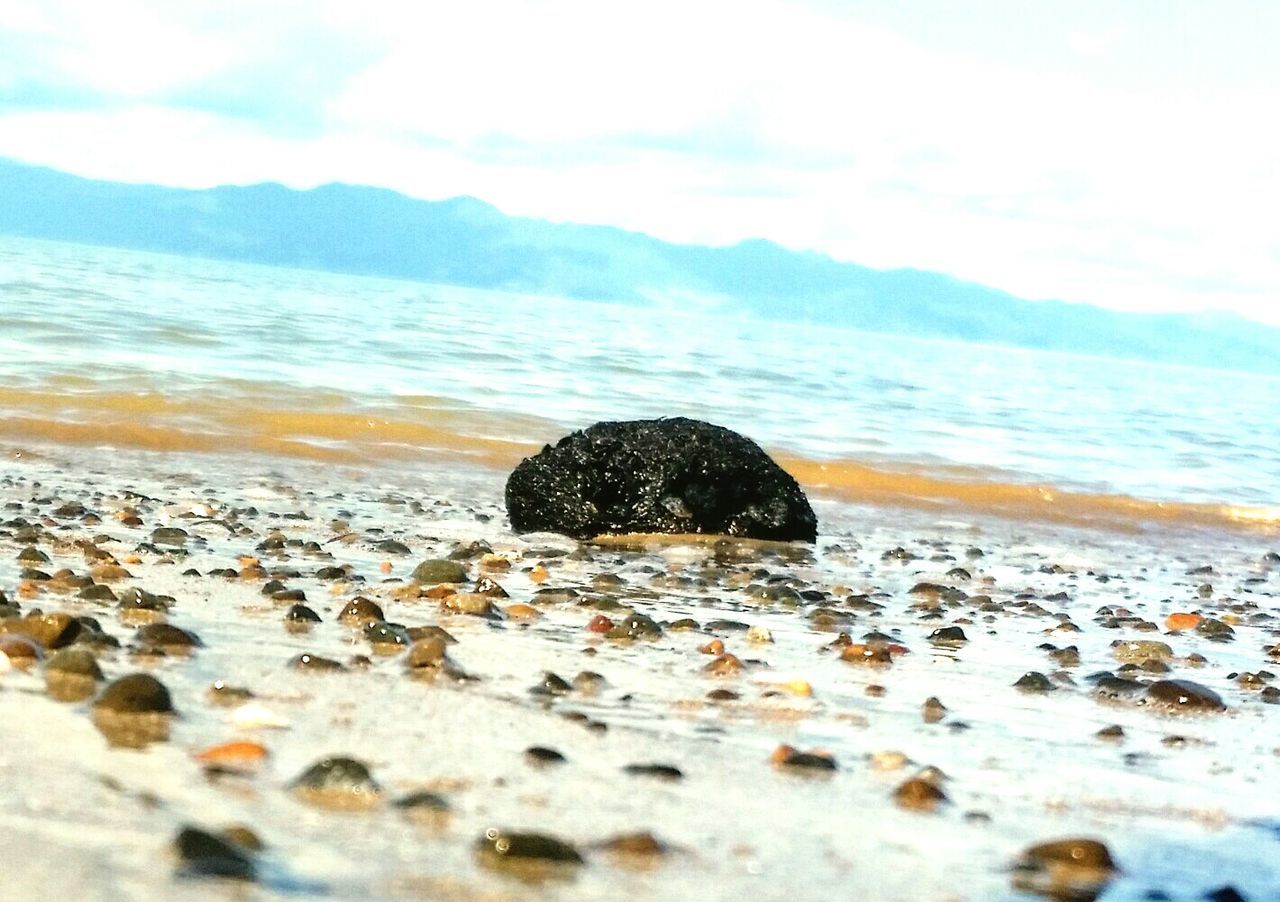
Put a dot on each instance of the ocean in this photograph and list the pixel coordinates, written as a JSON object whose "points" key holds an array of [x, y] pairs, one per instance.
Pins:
{"points": [[109, 347]]}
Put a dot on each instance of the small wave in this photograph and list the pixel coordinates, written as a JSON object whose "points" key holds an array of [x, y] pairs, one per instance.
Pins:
{"points": [[975, 491], [295, 422]]}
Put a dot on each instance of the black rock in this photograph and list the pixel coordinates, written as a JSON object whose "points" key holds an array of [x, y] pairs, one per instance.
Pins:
{"points": [[205, 855], [667, 476]]}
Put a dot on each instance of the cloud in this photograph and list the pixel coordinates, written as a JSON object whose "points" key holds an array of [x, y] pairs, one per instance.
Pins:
{"points": [[707, 122]]}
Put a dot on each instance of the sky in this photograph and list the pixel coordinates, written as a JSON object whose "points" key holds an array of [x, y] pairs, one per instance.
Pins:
{"points": [[1124, 153]]}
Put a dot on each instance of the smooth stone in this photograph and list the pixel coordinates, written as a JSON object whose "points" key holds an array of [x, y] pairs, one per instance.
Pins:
{"points": [[662, 771], [918, 794], [137, 693], [635, 626], [1067, 869], [360, 610], [166, 637], [501, 849], [1184, 695], [204, 854], [338, 782], [49, 630], [438, 570]]}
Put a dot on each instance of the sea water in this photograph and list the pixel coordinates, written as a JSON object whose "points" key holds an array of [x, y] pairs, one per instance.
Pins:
{"points": [[118, 347]]}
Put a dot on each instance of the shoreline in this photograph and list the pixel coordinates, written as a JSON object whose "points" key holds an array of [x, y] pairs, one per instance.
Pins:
{"points": [[1018, 767]]}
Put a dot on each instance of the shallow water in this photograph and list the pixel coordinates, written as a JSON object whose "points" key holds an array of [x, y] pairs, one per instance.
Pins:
{"points": [[108, 347]]}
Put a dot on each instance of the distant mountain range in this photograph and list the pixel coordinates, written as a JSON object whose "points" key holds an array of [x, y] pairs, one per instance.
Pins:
{"points": [[467, 242]]}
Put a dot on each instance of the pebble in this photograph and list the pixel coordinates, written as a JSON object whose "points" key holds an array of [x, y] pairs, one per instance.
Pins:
{"points": [[636, 626], [472, 604], [134, 711], [933, 710], [204, 854], [1178, 622], [310, 663], [20, 651], [435, 571], [662, 771], [240, 755], [812, 761], [541, 755], [1184, 696], [1033, 681], [50, 631], [1140, 650], [918, 794], [72, 674], [643, 845], [1074, 868], [339, 782], [874, 655], [137, 693], [526, 854], [948, 637], [427, 808], [359, 611], [166, 638]]}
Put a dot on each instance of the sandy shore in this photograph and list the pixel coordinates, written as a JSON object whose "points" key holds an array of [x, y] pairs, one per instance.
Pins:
{"points": [[1185, 802]]}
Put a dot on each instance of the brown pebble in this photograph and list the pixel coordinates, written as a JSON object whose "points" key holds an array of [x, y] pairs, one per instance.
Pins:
{"points": [[725, 665], [1075, 868], [918, 794], [1184, 696], [867, 655], [359, 611]]}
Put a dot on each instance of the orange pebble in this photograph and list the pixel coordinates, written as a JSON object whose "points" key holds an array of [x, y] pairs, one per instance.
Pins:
{"points": [[1182, 621], [539, 574], [241, 753], [714, 647], [444, 590], [600, 624], [247, 560], [385, 566], [523, 612], [132, 559], [781, 754]]}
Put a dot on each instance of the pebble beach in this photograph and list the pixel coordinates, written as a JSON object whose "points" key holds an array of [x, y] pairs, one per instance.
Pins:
{"points": [[251, 677]]}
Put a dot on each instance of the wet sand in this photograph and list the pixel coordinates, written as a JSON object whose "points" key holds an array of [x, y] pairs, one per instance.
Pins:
{"points": [[1184, 801]]}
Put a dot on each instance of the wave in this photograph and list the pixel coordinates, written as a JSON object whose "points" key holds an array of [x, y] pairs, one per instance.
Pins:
{"points": [[286, 422]]}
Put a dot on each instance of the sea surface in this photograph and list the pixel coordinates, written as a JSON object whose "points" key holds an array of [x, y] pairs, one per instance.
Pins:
{"points": [[117, 348]]}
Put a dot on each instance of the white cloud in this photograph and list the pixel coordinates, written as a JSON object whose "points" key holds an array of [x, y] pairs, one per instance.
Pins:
{"points": [[698, 122]]}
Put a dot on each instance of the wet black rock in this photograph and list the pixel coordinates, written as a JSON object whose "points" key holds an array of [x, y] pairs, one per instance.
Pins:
{"points": [[663, 771], [300, 613], [206, 855], [665, 476], [165, 637], [337, 782], [315, 664], [949, 636], [541, 755], [551, 684], [1034, 681], [636, 626], [137, 693], [500, 848]]}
